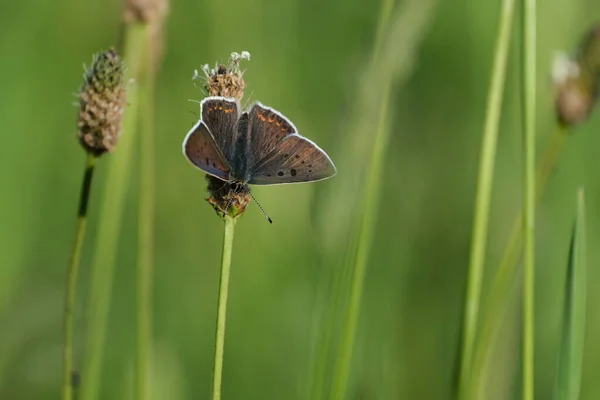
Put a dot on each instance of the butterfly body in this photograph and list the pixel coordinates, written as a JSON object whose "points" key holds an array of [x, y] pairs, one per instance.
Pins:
{"points": [[259, 146]]}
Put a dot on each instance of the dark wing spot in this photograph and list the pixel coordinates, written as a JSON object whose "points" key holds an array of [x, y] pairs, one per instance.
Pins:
{"points": [[309, 171], [286, 155], [268, 175], [293, 172], [214, 165], [309, 165], [280, 173], [297, 156], [206, 160]]}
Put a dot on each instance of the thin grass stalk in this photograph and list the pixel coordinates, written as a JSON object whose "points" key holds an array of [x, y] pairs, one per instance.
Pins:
{"points": [[84, 196], [504, 277], [365, 240], [222, 306], [574, 311], [341, 279], [113, 206], [145, 257], [396, 59], [528, 58], [483, 195]]}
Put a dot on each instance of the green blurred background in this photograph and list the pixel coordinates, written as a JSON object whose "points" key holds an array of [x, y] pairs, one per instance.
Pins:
{"points": [[307, 60]]}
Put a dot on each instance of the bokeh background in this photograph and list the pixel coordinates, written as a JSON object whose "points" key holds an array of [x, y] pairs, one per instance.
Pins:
{"points": [[308, 59]]}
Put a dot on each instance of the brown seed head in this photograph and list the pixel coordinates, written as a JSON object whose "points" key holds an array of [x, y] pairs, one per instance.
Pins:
{"points": [[145, 11], [577, 79], [101, 102], [228, 198], [588, 54], [226, 81], [152, 13], [574, 102]]}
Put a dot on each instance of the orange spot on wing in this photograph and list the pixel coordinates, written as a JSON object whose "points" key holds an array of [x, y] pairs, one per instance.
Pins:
{"points": [[271, 120], [229, 110], [220, 107], [278, 123]]}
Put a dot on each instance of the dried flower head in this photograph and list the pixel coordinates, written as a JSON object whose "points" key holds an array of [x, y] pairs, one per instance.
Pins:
{"points": [[146, 11], [577, 79], [228, 198], [226, 81], [588, 54], [152, 13], [101, 102]]}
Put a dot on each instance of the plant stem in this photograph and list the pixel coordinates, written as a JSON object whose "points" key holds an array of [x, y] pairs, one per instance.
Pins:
{"points": [[365, 239], [145, 230], [572, 341], [496, 305], [528, 96], [84, 196], [222, 306], [111, 216], [342, 277], [483, 195]]}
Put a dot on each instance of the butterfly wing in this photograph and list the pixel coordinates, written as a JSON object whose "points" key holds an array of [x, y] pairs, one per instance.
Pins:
{"points": [[220, 114], [294, 160], [200, 149], [266, 129]]}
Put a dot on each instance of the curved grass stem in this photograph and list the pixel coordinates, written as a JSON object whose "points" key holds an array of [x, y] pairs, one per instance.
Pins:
{"points": [[483, 195], [145, 231], [84, 196], [504, 277], [222, 306], [365, 239], [136, 36]]}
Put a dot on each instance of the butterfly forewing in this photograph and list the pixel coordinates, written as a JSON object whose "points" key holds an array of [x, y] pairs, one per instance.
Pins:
{"points": [[294, 160], [200, 149], [266, 128], [221, 114]]}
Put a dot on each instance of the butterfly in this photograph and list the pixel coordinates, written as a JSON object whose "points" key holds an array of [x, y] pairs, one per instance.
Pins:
{"points": [[259, 146]]}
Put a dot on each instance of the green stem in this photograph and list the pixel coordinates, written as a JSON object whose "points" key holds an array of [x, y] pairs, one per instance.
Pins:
{"points": [[340, 280], [145, 230], [528, 95], [84, 196], [365, 239], [113, 207], [495, 309], [483, 195], [222, 306]]}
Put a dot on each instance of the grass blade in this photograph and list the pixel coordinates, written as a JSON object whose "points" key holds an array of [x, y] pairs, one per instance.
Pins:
{"points": [[483, 195], [395, 60], [111, 217], [528, 37], [574, 312]]}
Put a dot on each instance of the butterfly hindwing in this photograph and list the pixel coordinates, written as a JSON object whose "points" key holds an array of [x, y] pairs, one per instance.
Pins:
{"points": [[266, 129], [220, 114], [200, 149], [295, 159]]}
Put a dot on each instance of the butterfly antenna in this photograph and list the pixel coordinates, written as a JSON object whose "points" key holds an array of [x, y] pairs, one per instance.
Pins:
{"points": [[194, 101], [261, 209]]}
